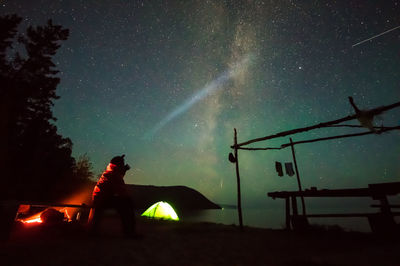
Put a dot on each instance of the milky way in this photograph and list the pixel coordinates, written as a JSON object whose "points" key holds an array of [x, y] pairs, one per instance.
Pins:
{"points": [[208, 89]]}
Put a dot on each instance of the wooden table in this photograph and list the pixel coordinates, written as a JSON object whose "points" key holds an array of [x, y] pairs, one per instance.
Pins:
{"points": [[379, 221]]}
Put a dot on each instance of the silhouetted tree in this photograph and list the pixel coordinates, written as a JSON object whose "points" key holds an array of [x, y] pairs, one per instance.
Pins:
{"points": [[34, 157], [83, 168]]}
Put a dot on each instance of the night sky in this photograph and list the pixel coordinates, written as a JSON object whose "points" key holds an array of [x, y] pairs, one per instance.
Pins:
{"points": [[165, 82]]}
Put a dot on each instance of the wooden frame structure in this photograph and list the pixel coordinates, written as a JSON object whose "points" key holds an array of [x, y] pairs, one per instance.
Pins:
{"points": [[382, 221], [360, 115]]}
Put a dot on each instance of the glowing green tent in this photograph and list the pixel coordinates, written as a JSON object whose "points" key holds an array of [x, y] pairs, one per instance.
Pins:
{"points": [[161, 210]]}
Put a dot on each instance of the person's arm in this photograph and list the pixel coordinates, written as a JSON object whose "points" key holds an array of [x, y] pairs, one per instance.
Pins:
{"points": [[118, 182]]}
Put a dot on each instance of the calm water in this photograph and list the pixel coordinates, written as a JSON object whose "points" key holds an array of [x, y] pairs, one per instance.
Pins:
{"points": [[269, 219]]}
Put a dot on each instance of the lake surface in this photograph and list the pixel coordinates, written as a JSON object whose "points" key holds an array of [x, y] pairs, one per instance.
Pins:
{"points": [[274, 219]]}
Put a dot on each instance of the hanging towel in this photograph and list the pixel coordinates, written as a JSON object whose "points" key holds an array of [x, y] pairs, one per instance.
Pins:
{"points": [[289, 169], [278, 167]]}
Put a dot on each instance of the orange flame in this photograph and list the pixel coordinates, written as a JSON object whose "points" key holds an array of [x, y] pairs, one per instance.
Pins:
{"points": [[37, 220], [82, 196], [33, 219], [78, 198]]}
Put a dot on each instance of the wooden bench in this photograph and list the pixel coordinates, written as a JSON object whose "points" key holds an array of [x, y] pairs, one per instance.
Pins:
{"points": [[382, 221]]}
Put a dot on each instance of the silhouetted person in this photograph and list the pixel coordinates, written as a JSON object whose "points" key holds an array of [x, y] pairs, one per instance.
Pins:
{"points": [[111, 192]]}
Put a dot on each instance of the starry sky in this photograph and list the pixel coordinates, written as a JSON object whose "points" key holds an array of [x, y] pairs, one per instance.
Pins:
{"points": [[165, 82]]}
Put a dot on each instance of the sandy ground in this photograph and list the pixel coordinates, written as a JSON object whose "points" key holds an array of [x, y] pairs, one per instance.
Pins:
{"points": [[177, 243]]}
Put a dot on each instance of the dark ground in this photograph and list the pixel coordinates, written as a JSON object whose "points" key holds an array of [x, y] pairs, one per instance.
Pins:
{"points": [[177, 243]]}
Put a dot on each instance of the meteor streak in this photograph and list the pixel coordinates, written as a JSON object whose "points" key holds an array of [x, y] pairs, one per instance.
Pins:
{"points": [[373, 37], [201, 94]]}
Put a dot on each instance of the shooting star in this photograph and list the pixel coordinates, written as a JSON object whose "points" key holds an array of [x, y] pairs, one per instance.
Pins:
{"points": [[373, 37], [209, 88]]}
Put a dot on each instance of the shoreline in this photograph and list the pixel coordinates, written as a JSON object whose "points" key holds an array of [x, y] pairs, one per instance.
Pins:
{"points": [[202, 243]]}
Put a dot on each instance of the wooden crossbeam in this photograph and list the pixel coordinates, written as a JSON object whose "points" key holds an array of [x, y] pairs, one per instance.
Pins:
{"points": [[45, 205], [337, 215], [380, 205], [381, 130], [374, 190], [340, 136], [374, 111]]}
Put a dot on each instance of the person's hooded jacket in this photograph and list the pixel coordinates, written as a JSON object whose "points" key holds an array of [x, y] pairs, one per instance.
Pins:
{"points": [[111, 182]]}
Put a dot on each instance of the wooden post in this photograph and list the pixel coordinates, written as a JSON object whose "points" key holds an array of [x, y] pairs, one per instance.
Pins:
{"points": [[238, 181], [385, 208], [287, 210], [8, 212], [298, 176], [294, 206]]}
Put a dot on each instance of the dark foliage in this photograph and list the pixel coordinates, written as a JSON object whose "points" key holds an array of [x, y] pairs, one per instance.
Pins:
{"points": [[83, 169], [36, 161]]}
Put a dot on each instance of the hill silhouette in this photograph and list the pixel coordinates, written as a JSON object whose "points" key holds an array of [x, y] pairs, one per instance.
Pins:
{"points": [[180, 197]]}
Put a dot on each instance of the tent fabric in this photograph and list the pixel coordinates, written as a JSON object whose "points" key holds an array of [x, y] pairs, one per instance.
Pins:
{"points": [[161, 210]]}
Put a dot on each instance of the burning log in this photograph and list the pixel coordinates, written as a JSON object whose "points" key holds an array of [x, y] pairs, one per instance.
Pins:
{"points": [[52, 216], [47, 216]]}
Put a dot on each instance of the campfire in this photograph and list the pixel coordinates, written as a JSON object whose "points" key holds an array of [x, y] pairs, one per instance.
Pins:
{"points": [[65, 212], [49, 215]]}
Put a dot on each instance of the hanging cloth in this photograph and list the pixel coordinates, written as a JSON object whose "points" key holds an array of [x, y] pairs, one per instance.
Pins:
{"points": [[289, 169], [278, 168]]}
